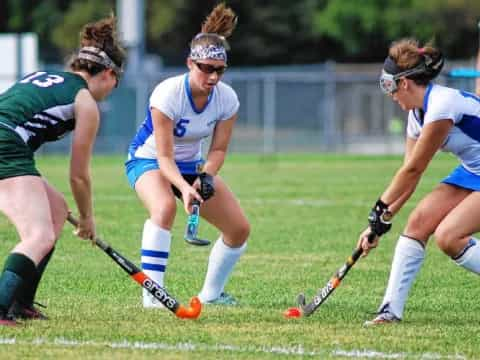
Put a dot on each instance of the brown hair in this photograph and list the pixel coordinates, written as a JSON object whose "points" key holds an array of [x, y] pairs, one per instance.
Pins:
{"points": [[221, 21], [102, 35], [407, 54]]}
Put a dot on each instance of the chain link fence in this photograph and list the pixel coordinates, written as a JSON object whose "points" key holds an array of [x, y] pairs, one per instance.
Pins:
{"points": [[314, 108]]}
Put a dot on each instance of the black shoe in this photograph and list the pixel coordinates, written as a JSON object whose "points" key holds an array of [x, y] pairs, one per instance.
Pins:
{"points": [[7, 319], [27, 312]]}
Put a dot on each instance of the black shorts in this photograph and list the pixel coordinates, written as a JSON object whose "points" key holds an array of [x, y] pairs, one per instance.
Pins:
{"points": [[190, 178]]}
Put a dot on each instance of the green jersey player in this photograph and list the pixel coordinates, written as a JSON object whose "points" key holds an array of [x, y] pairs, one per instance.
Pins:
{"points": [[45, 106]]}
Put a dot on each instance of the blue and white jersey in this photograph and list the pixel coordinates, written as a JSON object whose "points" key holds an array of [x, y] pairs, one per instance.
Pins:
{"points": [[173, 97], [463, 109]]}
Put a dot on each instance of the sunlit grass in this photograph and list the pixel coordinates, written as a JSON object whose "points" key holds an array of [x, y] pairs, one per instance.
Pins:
{"points": [[306, 212]]}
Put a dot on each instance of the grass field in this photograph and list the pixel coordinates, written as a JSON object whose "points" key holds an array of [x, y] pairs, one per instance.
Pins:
{"points": [[306, 212]]}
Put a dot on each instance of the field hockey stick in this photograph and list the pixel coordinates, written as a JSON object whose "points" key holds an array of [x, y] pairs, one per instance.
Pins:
{"points": [[191, 312], [332, 284], [191, 230]]}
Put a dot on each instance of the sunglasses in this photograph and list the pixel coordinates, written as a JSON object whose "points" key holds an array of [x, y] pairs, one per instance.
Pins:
{"points": [[210, 69]]}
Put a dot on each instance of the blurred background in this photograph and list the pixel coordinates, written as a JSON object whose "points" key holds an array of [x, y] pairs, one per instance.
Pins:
{"points": [[306, 71]]}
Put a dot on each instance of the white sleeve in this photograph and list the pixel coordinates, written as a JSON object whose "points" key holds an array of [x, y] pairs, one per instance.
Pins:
{"points": [[413, 127], [440, 107], [231, 104], [165, 98]]}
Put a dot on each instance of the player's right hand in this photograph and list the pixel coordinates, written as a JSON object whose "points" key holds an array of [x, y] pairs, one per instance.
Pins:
{"points": [[365, 244], [189, 193], [86, 228]]}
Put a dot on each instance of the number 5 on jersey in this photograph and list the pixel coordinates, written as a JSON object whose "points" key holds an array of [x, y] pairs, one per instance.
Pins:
{"points": [[181, 128]]}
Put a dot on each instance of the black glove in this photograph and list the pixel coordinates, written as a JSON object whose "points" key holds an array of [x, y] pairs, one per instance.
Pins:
{"points": [[380, 218], [207, 188]]}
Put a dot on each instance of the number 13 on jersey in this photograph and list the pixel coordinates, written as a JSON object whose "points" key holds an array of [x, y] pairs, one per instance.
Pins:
{"points": [[42, 79]]}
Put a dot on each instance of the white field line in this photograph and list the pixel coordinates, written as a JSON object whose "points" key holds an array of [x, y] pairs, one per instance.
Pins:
{"points": [[297, 350], [259, 201]]}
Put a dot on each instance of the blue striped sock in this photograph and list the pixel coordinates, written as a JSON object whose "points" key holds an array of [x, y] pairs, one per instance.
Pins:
{"points": [[155, 251], [469, 257]]}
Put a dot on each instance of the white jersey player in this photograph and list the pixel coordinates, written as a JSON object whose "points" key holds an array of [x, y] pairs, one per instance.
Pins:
{"points": [[165, 160], [463, 109], [173, 97], [440, 118]]}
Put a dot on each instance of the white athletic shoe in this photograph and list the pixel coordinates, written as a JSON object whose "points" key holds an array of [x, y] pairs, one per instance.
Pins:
{"points": [[149, 302]]}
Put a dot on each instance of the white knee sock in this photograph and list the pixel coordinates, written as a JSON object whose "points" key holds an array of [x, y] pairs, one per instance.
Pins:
{"points": [[469, 257], [155, 251], [220, 264], [407, 261]]}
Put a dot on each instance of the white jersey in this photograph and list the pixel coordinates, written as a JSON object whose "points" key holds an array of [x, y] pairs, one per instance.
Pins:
{"points": [[173, 97], [463, 109]]}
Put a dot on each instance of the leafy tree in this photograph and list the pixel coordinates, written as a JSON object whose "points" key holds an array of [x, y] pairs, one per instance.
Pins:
{"points": [[364, 29], [66, 34], [38, 17], [269, 31]]}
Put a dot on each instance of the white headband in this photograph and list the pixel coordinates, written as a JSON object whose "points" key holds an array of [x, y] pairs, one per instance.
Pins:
{"points": [[98, 56]]}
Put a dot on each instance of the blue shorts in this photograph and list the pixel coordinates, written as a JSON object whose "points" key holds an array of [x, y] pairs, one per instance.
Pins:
{"points": [[137, 167], [463, 178]]}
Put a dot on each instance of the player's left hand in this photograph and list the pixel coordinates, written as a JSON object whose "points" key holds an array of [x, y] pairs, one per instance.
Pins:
{"points": [[380, 218], [207, 186]]}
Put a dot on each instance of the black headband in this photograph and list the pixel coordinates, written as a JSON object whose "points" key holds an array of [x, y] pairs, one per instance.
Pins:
{"points": [[428, 66], [390, 66]]}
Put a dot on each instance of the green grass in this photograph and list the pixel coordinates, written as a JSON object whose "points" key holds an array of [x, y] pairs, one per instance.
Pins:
{"points": [[306, 212]]}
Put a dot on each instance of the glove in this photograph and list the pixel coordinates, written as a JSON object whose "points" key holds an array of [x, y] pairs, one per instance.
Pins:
{"points": [[207, 188], [380, 218]]}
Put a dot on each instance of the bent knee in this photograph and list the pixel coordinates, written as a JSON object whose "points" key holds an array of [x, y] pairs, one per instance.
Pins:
{"points": [[42, 240], [419, 225], [163, 215], [239, 233], [447, 240]]}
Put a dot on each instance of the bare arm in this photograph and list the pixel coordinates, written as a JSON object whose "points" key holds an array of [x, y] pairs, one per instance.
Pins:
{"points": [[219, 145], [163, 132], [406, 179], [397, 205], [418, 154], [87, 121]]}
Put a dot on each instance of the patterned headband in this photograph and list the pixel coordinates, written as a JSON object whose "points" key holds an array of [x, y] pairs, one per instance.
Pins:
{"points": [[98, 56], [214, 52], [217, 51]]}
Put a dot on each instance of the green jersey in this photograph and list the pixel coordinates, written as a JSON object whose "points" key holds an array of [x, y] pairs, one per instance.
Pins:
{"points": [[40, 107]]}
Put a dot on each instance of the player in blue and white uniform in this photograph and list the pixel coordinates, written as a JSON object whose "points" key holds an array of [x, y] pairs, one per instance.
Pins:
{"points": [[439, 118], [165, 159]]}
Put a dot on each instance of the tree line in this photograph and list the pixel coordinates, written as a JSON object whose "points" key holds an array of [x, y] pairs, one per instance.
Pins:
{"points": [[269, 32]]}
